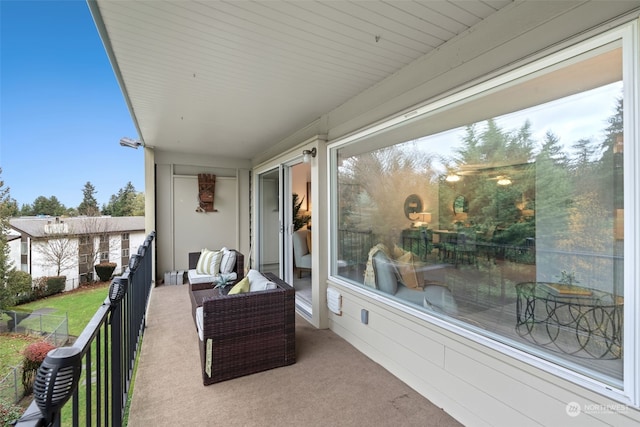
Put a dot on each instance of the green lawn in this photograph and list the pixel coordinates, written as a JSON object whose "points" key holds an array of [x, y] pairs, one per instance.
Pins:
{"points": [[79, 305], [11, 346]]}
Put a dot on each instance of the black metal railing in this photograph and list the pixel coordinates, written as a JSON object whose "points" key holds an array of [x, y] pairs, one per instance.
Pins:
{"points": [[109, 345]]}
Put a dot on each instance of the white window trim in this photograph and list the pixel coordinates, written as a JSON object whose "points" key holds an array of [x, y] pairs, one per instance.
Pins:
{"points": [[631, 78], [628, 33]]}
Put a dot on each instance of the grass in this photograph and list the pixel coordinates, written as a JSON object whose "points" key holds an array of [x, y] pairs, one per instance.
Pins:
{"points": [[80, 305], [11, 346]]}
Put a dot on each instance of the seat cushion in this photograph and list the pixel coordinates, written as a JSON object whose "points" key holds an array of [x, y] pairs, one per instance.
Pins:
{"points": [[199, 319], [194, 277], [304, 261]]}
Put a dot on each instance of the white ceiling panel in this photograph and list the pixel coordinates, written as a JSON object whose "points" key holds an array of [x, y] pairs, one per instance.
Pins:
{"points": [[239, 76]]}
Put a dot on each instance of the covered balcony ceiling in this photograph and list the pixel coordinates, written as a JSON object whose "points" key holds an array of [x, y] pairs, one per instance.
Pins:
{"points": [[235, 78]]}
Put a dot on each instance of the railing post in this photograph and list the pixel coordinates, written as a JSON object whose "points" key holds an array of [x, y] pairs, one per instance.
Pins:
{"points": [[117, 362]]}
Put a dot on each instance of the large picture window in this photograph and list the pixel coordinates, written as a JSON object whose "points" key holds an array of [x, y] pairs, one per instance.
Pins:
{"points": [[501, 212]]}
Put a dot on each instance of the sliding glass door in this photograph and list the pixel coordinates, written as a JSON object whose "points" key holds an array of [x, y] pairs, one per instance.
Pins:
{"points": [[269, 224], [284, 227]]}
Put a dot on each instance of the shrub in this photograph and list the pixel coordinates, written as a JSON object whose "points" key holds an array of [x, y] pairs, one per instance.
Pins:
{"points": [[34, 355], [104, 270], [17, 290], [9, 413], [55, 285], [46, 286]]}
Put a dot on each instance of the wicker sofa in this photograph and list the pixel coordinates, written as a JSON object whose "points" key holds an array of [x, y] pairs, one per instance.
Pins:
{"points": [[193, 262], [244, 333]]}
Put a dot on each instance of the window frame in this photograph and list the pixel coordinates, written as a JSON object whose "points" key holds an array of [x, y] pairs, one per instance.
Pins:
{"points": [[627, 36]]}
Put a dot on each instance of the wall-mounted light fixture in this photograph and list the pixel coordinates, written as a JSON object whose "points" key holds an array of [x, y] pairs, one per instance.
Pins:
{"points": [[308, 154], [131, 143]]}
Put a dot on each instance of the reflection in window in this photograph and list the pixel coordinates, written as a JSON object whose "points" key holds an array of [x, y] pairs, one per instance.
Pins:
{"points": [[524, 245]]}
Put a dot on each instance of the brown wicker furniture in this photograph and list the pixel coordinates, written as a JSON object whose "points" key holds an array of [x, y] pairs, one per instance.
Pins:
{"points": [[245, 333], [195, 287], [238, 268]]}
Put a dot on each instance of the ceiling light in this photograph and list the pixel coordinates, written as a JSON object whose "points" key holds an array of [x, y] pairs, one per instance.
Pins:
{"points": [[504, 180], [452, 177]]}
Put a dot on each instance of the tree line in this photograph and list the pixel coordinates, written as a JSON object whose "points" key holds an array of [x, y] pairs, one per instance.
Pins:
{"points": [[567, 190], [127, 202]]}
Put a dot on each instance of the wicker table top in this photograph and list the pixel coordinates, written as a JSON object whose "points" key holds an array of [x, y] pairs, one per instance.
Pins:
{"points": [[203, 294]]}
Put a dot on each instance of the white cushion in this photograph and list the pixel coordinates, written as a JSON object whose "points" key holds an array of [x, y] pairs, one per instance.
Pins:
{"points": [[257, 282], [194, 277], [199, 322], [228, 261]]}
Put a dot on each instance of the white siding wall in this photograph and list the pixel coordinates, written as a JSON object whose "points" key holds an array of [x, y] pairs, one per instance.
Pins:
{"points": [[14, 253], [42, 268]]}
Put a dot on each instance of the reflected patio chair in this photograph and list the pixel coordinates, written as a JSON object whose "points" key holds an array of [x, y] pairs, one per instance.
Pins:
{"points": [[448, 246], [465, 247]]}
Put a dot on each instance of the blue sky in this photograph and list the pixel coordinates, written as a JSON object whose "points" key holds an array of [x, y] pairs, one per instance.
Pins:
{"points": [[62, 113]]}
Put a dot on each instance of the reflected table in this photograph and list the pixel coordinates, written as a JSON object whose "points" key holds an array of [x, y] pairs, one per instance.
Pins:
{"points": [[573, 320]]}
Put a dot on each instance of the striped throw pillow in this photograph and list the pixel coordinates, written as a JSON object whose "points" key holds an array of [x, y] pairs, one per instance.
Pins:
{"points": [[209, 262], [214, 266]]}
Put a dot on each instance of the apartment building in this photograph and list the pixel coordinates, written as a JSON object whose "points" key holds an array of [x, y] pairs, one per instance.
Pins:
{"points": [[60, 246]]}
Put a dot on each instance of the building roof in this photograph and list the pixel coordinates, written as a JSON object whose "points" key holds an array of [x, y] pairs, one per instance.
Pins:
{"points": [[38, 227]]}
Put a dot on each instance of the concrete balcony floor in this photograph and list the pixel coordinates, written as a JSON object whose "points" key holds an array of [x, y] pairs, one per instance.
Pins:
{"points": [[331, 384]]}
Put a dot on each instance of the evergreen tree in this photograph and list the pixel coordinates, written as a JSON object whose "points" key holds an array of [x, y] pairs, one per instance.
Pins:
{"points": [[552, 151], [5, 261], [12, 208], [585, 153], [26, 210], [50, 206], [612, 163], [124, 203], [138, 205], [89, 204], [553, 181], [520, 145]]}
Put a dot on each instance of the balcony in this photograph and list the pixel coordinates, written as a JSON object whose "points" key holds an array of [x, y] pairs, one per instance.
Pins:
{"points": [[332, 383]]}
